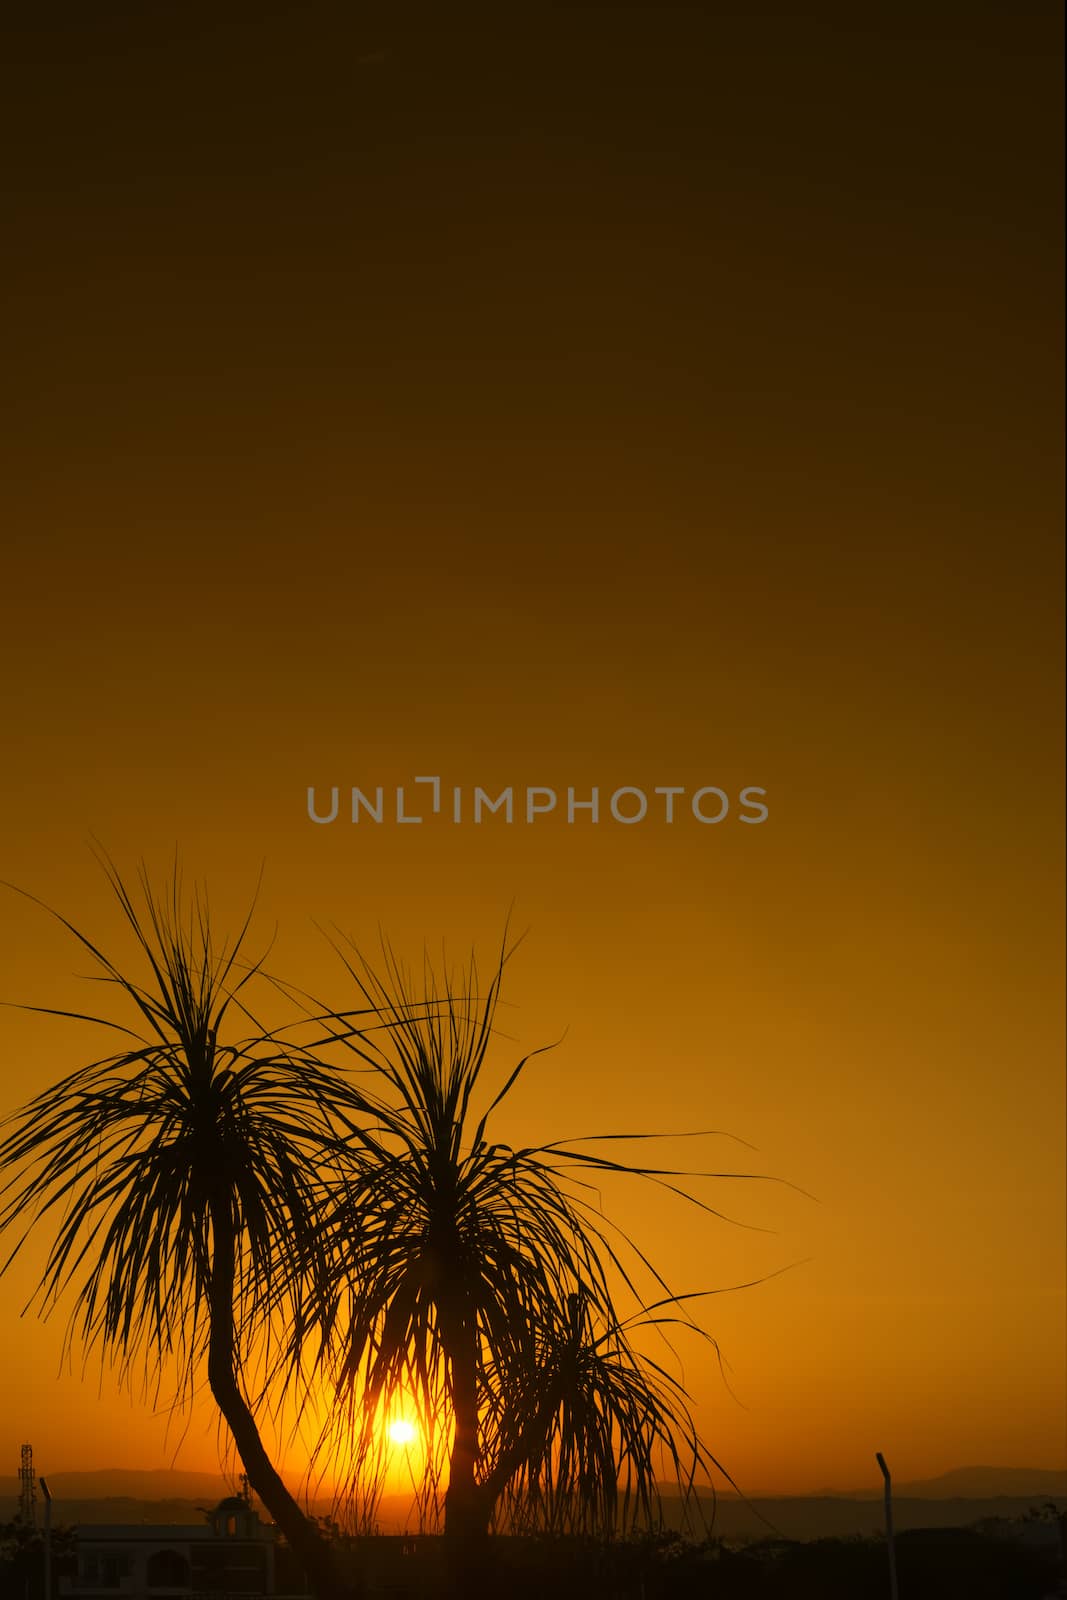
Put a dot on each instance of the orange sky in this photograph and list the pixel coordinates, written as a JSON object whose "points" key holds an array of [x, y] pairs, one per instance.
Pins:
{"points": [[666, 400]]}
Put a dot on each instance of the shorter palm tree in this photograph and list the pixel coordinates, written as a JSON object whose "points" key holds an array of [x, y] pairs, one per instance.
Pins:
{"points": [[585, 1438]]}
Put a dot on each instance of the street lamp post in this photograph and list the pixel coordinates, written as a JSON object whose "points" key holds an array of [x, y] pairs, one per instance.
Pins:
{"points": [[880, 1458], [47, 1539]]}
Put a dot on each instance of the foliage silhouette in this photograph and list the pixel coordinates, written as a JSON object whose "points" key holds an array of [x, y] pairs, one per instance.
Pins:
{"points": [[185, 1173], [209, 1188], [477, 1278]]}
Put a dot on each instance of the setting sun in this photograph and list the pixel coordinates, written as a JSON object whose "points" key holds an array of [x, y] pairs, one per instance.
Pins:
{"points": [[402, 1432]]}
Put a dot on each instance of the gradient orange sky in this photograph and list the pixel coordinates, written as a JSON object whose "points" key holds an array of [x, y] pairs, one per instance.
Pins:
{"points": [[626, 397]]}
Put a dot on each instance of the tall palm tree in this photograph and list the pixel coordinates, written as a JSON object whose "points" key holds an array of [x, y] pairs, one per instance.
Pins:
{"points": [[185, 1175], [477, 1277]]}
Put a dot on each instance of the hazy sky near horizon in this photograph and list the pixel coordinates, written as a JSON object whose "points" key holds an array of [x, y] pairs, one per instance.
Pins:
{"points": [[626, 397]]}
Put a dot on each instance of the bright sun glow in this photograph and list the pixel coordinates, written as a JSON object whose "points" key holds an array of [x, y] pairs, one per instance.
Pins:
{"points": [[402, 1432]]}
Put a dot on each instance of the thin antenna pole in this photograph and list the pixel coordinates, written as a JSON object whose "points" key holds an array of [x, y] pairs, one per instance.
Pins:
{"points": [[880, 1458]]}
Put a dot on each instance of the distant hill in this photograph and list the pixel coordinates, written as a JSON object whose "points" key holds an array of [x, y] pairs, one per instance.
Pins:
{"points": [[798, 1517], [968, 1483], [118, 1509], [982, 1482], [956, 1499], [964, 1483], [162, 1484]]}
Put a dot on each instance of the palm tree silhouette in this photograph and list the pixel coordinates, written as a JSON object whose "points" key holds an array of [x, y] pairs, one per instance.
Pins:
{"points": [[186, 1175], [477, 1278]]}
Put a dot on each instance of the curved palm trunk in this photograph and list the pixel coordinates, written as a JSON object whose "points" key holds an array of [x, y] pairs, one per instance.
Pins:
{"points": [[530, 1439], [304, 1539]]}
